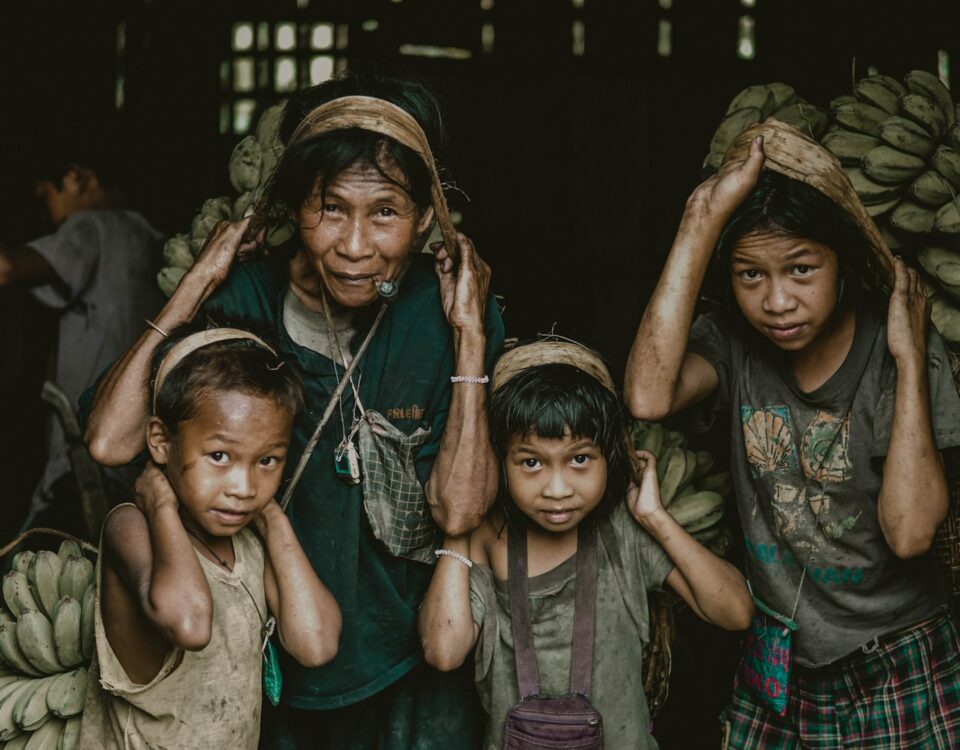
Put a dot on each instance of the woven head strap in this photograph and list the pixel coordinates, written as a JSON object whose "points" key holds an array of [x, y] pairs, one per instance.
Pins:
{"points": [[791, 153], [380, 116], [551, 351], [195, 341]]}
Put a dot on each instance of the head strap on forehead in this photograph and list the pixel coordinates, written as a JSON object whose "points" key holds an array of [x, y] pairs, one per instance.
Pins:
{"points": [[788, 151], [380, 116], [182, 349], [550, 351]]}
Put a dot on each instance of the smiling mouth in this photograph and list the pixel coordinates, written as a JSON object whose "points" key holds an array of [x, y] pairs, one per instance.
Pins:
{"points": [[352, 279], [561, 515]]}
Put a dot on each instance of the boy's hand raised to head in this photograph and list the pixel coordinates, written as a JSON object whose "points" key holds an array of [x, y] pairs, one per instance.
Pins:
{"points": [[645, 499], [714, 200], [908, 317], [152, 490]]}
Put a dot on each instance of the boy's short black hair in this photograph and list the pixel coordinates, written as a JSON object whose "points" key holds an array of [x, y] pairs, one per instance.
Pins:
{"points": [[233, 365], [553, 400]]}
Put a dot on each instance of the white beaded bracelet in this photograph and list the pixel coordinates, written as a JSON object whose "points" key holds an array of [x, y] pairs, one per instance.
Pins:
{"points": [[470, 379], [455, 555]]}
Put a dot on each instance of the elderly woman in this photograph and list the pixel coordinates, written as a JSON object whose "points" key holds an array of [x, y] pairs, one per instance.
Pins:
{"points": [[404, 455]]}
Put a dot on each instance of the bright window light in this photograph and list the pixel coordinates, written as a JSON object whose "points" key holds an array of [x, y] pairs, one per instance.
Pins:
{"points": [[321, 69], [286, 34], [242, 37], [321, 36]]}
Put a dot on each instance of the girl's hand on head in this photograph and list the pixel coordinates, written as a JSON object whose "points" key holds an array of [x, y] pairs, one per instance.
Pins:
{"points": [[152, 490], [221, 249], [908, 317], [463, 285], [645, 499], [715, 199]]}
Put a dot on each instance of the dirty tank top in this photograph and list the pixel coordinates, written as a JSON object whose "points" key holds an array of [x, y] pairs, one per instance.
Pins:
{"points": [[199, 699]]}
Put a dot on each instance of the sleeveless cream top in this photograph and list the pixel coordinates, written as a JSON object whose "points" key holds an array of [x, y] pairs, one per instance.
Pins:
{"points": [[199, 699]]}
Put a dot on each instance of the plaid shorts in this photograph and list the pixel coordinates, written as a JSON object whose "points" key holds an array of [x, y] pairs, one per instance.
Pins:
{"points": [[903, 696]]}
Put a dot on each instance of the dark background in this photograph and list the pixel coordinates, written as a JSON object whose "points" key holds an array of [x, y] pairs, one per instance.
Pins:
{"points": [[576, 165]]}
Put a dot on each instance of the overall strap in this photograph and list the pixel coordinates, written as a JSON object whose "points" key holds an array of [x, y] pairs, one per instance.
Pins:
{"points": [[528, 674], [584, 614], [584, 610]]}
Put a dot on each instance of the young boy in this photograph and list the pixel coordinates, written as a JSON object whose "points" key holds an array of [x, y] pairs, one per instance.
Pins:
{"points": [[186, 589]]}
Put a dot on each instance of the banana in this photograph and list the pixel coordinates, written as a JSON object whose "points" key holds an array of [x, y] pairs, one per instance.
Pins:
{"points": [[70, 739], [88, 609], [876, 92], [672, 476], [663, 462], [66, 632], [705, 464], [17, 594], [890, 82], [760, 97], [945, 316], [707, 535], [21, 561], [653, 439], [879, 209], [697, 511], [169, 278], [931, 189], [731, 126], [908, 136], [911, 217], [8, 727], [947, 162], [926, 83], [11, 652], [68, 549], [782, 94], [926, 112], [942, 262], [888, 165], [947, 219], [47, 737], [19, 742], [869, 190], [839, 101], [77, 575], [953, 137], [807, 118], [721, 483], [177, 252], [6, 617], [44, 576], [849, 147], [690, 469], [35, 636], [31, 709], [860, 117], [67, 693]]}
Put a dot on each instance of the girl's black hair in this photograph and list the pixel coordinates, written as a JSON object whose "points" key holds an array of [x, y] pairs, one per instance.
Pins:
{"points": [[331, 153], [233, 365], [551, 401], [781, 206]]}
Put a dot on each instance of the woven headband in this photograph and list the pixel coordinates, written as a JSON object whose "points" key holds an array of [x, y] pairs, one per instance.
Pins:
{"points": [[547, 352], [380, 116], [195, 341], [791, 153]]}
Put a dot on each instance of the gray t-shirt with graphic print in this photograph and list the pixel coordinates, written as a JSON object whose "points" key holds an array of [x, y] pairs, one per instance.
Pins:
{"points": [[807, 469]]}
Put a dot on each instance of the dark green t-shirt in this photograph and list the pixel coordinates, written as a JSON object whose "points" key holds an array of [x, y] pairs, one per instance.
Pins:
{"points": [[404, 375]]}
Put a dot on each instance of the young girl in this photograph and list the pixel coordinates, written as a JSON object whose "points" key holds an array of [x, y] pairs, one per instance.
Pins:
{"points": [[187, 593], [838, 397], [558, 431]]}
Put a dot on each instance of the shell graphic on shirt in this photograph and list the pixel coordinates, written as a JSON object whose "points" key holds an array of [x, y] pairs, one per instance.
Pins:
{"points": [[824, 448], [768, 439]]}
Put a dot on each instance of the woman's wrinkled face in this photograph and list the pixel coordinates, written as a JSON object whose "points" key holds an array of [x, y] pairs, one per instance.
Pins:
{"points": [[359, 231], [786, 287]]}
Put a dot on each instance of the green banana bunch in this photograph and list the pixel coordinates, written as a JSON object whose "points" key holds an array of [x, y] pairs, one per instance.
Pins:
{"points": [[31, 709], [906, 135], [890, 166], [882, 92], [87, 614], [947, 219], [21, 561], [44, 578], [9, 698], [931, 189], [946, 161], [942, 263], [70, 738], [47, 737], [17, 593], [925, 83], [926, 112], [69, 548], [850, 147], [860, 117], [912, 217]]}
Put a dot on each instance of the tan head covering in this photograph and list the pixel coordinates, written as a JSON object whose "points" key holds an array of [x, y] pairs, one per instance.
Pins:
{"points": [[791, 153], [378, 116], [182, 349], [550, 351]]}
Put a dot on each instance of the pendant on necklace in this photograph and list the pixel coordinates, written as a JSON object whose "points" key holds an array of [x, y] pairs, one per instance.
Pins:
{"points": [[346, 462]]}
